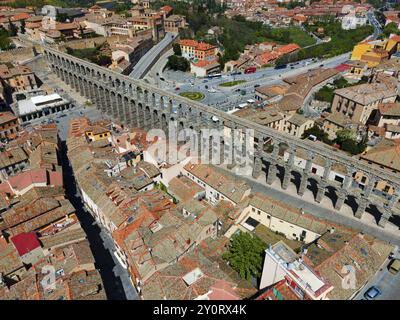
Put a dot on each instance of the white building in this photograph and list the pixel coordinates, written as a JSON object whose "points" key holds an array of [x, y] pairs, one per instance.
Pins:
{"points": [[281, 262], [42, 105], [353, 21], [217, 186]]}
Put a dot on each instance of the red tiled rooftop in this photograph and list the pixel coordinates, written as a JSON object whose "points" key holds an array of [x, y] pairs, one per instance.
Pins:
{"points": [[288, 48]]}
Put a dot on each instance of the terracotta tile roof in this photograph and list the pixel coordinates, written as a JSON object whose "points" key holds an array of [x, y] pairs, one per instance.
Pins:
{"points": [[287, 48], [169, 283], [333, 251], [389, 109], [233, 189], [183, 188], [197, 45], [6, 117], [385, 153]]}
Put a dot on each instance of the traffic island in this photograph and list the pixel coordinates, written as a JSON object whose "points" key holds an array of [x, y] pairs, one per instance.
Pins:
{"points": [[196, 96]]}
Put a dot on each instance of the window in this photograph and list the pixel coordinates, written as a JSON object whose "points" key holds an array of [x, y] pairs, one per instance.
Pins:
{"points": [[252, 209], [268, 217], [363, 179]]}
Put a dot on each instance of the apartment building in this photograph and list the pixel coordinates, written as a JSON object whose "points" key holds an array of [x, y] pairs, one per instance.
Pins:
{"points": [[359, 101], [175, 23], [297, 124], [217, 186], [9, 125], [17, 79], [192, 49], [279, 217]]}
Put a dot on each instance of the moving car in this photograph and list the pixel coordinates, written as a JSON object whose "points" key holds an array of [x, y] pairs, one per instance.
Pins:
{"points": [[372, 293], [177, 89]]}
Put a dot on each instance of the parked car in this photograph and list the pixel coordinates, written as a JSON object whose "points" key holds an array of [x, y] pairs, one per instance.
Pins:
{"points": [[162, 79], [177, 89], [394, 266], [372, 293], [256, 85]]}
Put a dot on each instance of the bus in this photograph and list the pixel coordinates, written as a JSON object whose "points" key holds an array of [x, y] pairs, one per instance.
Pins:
{"points": [[214, 75], [250, 70]]}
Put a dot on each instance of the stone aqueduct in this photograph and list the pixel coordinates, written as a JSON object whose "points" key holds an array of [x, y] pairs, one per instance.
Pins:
{"points": [[137, 103]]}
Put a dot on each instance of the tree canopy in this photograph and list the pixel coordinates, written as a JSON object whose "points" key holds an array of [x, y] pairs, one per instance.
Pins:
{"points": [[245, 255], [178, 63]]}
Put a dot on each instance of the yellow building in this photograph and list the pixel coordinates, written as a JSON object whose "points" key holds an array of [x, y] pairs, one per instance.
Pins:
{"points": [[392, 45], [374, 57], [96, 133], [360, 49]]}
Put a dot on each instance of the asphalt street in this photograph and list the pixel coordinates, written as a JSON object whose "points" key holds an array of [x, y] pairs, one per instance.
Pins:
{"points": [[228, 98], [139, 70]]}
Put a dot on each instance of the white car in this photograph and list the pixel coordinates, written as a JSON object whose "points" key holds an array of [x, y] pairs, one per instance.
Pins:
{"points": [[212, 90]]}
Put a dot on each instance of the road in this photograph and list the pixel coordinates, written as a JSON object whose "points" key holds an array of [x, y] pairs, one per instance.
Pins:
{"points": [[374, 22], [115, 278], [140, 69], [388, 283], [286, 196], [227, 98]]}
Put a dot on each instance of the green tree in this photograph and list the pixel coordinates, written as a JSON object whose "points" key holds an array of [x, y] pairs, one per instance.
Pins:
{"points": [[344, 135], [178, 63], [82, 34], [177, 49], [23, 27], [390, 28], [13, 30], [61, 17], [245, 255], [317, 132], [5, 42]]}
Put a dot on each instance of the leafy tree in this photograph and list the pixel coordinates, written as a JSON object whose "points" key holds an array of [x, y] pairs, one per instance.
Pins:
{"points": [[344, 135], [319, 133], [102, 60], [346, 138], [22, 29], [5, 42], [324, 94], [178, 63], [245, 255], [61, 17], [13, 30], [390, 28], [177, 49], [82, 34]]}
